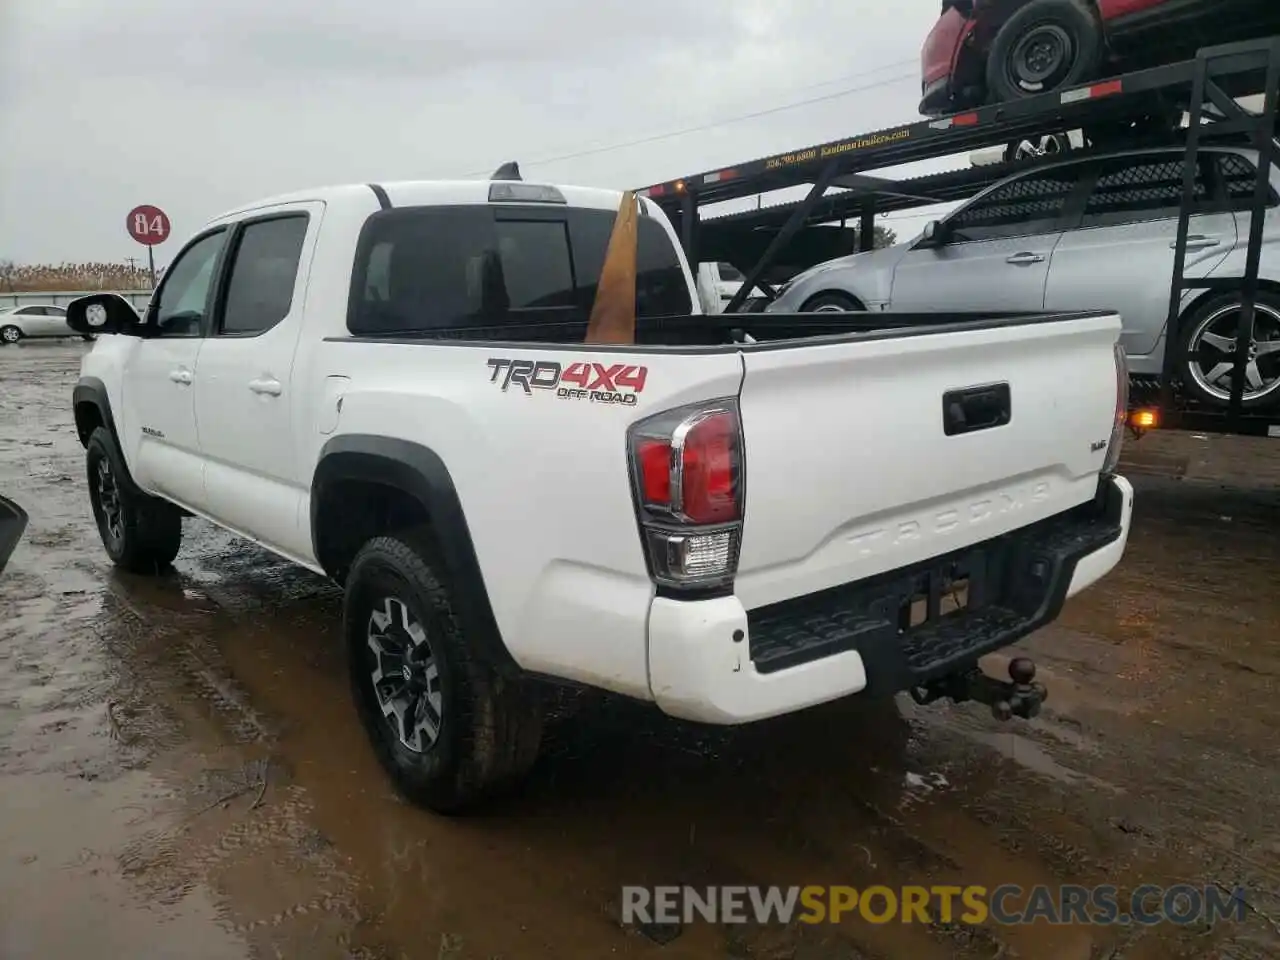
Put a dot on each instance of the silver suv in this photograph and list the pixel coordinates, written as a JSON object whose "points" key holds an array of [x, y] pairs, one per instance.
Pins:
{"points": [[1089, 233]]}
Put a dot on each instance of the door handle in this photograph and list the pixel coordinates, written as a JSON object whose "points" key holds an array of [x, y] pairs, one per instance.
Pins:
{"points": [[181, 375], [268, 386], [1198, 241], [1022, 258]]}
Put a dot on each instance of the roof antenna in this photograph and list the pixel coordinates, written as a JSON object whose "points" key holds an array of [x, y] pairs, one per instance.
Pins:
{"points": [[508, 171]]}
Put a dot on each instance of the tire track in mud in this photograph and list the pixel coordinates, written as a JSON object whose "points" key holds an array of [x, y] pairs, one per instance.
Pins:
{"points": [[102, 674], [188, 698]]}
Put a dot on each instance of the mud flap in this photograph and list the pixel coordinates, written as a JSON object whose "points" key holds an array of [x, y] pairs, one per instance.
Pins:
{"points": [[13, 523]]}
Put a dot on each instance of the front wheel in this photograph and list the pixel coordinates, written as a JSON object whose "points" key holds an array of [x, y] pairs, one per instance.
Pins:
{"points": [[141, 533], [1046, 45], [1208, 342], [10, 334], [833, 301], [445, 726]]}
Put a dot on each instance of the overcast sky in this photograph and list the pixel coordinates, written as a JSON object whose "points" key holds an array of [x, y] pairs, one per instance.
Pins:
{"points": [[198, 107]]}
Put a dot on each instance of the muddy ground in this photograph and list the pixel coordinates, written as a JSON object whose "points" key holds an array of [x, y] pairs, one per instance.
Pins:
{"points": [[182, 775]]}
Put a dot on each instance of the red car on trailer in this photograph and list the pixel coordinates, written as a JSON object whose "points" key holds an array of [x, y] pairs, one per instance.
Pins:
{"points": [[993, 51]]}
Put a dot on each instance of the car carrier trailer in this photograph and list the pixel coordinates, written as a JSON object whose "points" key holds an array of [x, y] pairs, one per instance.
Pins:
{"points": [[1128, 110]]}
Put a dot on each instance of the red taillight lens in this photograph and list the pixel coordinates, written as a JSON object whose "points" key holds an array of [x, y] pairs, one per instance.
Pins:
{"points": [[688, 470], [708, 479], [655, 472]]}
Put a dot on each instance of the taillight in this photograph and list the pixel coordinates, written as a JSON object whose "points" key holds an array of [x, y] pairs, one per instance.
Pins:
{"points": [[688, 475], [1116, 445]]}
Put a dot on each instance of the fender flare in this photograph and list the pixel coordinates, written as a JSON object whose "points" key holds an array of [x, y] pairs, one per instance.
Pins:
{"points": [[419, 472], [92, 391]]}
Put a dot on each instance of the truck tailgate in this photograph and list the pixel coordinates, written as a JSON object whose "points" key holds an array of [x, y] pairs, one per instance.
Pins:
{"points": [[850, 471]]}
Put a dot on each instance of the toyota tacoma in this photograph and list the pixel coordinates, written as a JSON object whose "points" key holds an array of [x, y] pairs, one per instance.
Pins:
{"points": [[495, 414]]}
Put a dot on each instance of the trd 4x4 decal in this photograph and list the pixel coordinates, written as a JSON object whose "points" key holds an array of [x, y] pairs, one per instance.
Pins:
{"points": [[596, 382]]}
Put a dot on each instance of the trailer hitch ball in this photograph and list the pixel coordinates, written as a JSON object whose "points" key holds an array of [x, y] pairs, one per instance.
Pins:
{"points": [[1025, 696], [1019, 696]]}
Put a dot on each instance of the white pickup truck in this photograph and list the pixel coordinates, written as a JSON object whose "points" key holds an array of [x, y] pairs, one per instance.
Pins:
{"points": [[733, 517]]}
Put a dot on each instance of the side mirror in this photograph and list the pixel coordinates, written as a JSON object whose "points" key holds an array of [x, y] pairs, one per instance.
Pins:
{"points": [[934, 235], [103, 313]]}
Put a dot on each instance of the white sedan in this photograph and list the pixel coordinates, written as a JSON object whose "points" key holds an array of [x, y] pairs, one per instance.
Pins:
{"points": [[33, 320]]}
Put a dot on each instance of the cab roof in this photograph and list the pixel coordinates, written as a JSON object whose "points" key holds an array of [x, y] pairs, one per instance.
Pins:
{"points": [[412, 193]]}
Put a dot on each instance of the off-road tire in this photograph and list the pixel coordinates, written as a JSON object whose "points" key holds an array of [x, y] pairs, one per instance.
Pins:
{"points": [[150, 529], [490, 729], [1074, 19]]}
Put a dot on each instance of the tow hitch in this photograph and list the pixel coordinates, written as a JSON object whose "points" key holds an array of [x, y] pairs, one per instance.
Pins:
{"points": [[1019, 696]]}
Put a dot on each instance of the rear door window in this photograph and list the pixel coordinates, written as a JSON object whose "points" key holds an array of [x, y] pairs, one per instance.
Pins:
{"points": [[482, 270], [1140, 188], [264, 270]]}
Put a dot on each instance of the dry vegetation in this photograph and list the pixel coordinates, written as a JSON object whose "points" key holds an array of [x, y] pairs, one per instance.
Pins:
{"points": [[37, 277], [71, 277]]}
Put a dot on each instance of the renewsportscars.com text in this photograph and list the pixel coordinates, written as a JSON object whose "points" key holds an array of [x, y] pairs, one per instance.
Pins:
{"points": [[1009, 904]]}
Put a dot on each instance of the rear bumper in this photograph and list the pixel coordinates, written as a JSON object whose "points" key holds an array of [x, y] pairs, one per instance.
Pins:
{"points": [[714, 662]]}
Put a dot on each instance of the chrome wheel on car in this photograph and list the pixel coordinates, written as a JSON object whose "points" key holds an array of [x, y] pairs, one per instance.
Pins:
{"points": [[1050, 145], [831, 301], [405, 675], [1212, 348], [10, 334]]}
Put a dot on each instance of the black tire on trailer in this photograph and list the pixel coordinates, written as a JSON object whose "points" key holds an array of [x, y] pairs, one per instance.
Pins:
{"points": [[832, 301], [1045, 45], [141, 533], [448, 729], [1207, 345]]}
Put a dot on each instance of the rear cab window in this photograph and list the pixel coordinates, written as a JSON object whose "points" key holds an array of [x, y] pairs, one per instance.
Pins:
{"points": [[500, 271]]}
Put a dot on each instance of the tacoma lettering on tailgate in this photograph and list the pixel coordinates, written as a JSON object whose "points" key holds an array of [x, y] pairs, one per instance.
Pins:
{"points": [[908, 530], [595, 382]]}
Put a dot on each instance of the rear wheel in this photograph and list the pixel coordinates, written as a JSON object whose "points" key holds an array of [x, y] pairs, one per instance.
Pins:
{"points": [[1046, 45], [832, 302], [10, 334], [1209, 341], [141, 533], [445, 726]]}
